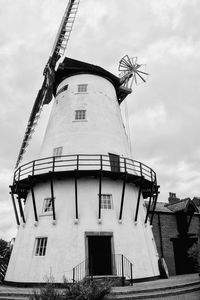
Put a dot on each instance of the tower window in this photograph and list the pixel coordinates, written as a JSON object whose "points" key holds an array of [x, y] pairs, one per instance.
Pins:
{"points": [[106, 201], [64, 88], [82, 88], [41, 245], [80, 114], [47, 207], [57, 151]]}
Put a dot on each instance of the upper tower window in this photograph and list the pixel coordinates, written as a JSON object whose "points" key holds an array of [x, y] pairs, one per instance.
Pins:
{"points": [[80, 114], [82, 88], [57, 151], [64, 88]]}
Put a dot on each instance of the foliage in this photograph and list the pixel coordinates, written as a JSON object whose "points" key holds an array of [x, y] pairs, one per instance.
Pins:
{"points": [[3, 247], [85, 289], [46, 292], [5, 252]]}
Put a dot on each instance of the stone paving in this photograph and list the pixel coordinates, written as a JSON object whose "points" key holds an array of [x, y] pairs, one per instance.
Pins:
{"points": [[157, 285], [161, 283]]}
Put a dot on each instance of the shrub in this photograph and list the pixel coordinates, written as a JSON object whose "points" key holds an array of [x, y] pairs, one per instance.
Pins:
{"points": [[85, 289], [47, 292], [5, 252]]}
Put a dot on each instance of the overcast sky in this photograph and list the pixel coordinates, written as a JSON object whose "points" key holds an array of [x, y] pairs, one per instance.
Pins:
{"points": [[163, 113]]}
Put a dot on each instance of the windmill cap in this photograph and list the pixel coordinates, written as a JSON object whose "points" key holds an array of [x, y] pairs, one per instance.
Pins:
{"points": [[70, 67]]}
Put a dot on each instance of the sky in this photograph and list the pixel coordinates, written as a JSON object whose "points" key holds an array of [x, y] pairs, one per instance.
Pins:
{"points": [[163, 112]]}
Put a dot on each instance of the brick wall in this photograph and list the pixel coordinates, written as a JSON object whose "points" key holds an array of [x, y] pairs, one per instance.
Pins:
{"points": [[167, 230]]}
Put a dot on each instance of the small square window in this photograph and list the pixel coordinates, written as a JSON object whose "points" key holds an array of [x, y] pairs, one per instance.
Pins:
{"points": [[47, 206], [57, 151], [82, 88], [80, 114], [40, 246], [106, 201]]}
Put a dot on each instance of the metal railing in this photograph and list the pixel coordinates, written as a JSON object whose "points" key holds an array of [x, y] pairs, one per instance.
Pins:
{"points": [[79, 272], [121, 267], [82, 162]]}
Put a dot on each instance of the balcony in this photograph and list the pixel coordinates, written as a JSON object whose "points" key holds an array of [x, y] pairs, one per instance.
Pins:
{"points": [[85, 163]]}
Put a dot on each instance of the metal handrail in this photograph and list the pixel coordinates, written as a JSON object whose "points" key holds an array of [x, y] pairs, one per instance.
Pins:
{"points": [[82, 162], [79, 272], [121, 267]]}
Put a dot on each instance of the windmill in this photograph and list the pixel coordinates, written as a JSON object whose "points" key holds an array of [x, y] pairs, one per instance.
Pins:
{"points": [[79, 205]]}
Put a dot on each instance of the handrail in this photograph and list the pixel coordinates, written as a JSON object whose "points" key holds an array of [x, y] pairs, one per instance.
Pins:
{"points": [[79, 272], [121, 267], [83, 162]]}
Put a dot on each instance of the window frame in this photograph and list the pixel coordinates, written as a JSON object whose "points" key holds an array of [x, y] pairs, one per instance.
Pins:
{"points": [[80, 115], [82, 88], [59, 150], [40, 248], [49, 211], [107, 203]]}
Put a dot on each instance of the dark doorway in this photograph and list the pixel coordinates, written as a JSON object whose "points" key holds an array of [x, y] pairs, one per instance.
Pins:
{"points": [[186, 255], [100, 259], [114, 162]]}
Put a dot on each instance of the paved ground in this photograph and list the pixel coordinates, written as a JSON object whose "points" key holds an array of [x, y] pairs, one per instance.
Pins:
{"points": [[137, 287], [161, 283]]}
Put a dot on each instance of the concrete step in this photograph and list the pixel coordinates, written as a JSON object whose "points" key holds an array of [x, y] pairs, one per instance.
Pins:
{"points": [[184, 287], [13, 297], [189, 291]]}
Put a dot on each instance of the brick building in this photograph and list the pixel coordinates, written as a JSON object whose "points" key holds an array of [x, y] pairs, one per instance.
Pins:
{"points": [[176, 228]]}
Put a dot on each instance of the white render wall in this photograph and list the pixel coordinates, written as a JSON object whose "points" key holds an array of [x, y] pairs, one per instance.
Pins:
{"points": [[66, 240], [102, 131]]}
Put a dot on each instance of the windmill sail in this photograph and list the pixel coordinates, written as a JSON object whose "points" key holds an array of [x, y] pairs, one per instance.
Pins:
{"points": [[45, 94]]}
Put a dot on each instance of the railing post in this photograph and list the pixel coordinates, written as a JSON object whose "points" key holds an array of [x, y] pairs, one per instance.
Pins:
{"points": [[140, 169], [131, 273], [122, 257], [77, 162], [101, 164], [125, 165], [33, 170], [151, 176], [53, 165]]}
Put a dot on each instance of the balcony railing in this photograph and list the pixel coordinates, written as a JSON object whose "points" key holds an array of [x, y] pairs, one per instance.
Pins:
{"points": [[84, 162]]}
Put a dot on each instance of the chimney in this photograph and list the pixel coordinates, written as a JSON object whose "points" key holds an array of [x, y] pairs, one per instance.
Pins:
{"points": [[172, 198]]}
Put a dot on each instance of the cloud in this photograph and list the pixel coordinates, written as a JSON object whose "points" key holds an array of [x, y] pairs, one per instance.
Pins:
{"points": [[164, 112]]}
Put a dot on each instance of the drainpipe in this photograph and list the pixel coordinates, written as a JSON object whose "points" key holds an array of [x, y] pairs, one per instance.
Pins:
{"points": [[160, 234]]}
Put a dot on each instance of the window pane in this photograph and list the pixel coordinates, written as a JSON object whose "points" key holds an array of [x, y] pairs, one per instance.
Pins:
{"points": [[57, 151], [80, 114], [82, 88], [106, 201], [41, 244], [47, 206]]}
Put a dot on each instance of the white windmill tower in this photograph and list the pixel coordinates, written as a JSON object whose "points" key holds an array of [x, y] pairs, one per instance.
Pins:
{"points": [[84, 211]]}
